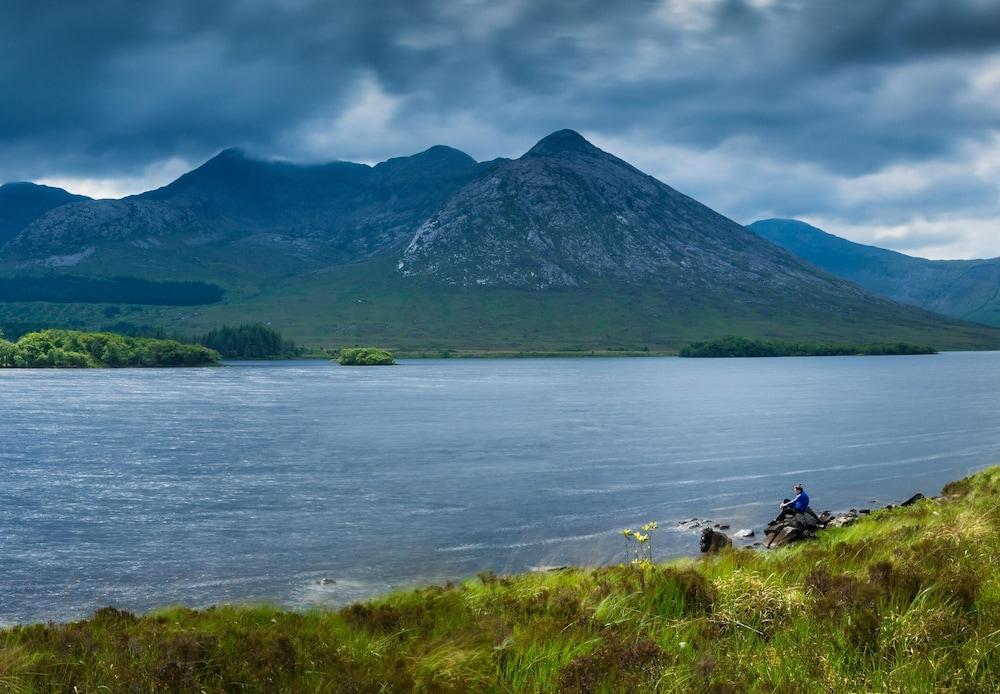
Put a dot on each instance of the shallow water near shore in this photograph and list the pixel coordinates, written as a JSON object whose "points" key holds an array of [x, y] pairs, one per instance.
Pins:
{"points": [[147, 487]]}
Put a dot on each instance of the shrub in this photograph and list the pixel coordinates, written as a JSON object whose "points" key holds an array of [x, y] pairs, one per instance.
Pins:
{"points": [[365, 356]]}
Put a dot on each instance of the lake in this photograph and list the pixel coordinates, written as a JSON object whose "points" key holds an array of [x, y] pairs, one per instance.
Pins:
{"points": [[253, 482]]}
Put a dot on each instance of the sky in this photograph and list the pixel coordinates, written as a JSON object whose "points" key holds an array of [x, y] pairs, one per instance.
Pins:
{"points": [[877, 120]]}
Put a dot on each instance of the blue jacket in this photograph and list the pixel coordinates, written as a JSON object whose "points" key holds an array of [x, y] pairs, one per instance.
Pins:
{"points": [[800, 503]]}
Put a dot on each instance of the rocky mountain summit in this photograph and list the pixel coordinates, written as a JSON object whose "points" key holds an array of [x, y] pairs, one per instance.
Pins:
{"points": [[568, 214]]}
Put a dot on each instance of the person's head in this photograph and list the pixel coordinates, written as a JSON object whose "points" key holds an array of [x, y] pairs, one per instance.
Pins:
{"points": [[798, 487]]}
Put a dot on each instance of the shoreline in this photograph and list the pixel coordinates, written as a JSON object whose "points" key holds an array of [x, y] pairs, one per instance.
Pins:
{"points": [[859, 608], [693, 528]]}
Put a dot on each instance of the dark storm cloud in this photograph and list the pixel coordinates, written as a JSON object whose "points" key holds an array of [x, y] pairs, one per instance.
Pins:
{"points": [[106, 88]]}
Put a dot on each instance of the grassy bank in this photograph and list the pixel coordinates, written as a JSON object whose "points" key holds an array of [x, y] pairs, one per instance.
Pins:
{"points": [[905, 600]]}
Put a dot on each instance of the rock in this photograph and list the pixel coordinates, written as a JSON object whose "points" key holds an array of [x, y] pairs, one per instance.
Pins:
{"points": [[713, 541], [724, 526], [842, 520], [745, 532], [825, 517], [545, 568], [805, 521], [865, 511], [327, 582], [692, 524], [913, 499], [785, 536]]}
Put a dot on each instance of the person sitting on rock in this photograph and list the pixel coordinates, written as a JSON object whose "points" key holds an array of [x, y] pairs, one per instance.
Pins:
{"points": [[800, 504]]}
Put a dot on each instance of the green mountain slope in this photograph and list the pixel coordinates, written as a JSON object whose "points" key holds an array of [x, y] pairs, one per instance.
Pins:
{"points": [[967, 289], [567, 248]]}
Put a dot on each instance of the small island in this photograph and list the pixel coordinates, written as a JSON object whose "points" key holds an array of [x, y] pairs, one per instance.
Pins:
{"points": [[745, 347], [76, 349], [365, 356]]}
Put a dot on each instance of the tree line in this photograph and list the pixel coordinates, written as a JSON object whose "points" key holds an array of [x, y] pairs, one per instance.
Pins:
{"points": [[248, 341], [746, 347]]}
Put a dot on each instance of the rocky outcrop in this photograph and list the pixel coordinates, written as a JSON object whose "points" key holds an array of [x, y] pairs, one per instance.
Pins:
{"points": [[778, 533], [713, 541], [803, 526]]}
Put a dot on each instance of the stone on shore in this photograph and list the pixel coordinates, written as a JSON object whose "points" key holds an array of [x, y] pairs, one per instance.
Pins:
{"points": [[712, 541]]}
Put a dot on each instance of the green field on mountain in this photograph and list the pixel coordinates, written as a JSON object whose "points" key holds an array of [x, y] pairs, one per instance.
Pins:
{"points": [[366, 304]]}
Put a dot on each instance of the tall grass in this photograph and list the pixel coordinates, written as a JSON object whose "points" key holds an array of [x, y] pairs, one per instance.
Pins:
{"points": [[905, 600]]}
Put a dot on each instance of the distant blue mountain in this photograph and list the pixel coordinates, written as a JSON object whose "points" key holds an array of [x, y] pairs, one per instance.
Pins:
{"points": [[968, 289], [22, 203]]}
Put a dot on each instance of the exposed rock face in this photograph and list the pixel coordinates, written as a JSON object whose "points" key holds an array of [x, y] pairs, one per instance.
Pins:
{"points": [[76, 230], [567, 214], [22, 203]]}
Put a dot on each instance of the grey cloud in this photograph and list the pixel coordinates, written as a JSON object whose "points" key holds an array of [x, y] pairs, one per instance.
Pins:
{"points": [[106, 88]]}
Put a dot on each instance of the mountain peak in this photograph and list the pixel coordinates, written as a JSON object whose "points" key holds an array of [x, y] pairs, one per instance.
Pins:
{"points": [[561, 142]]}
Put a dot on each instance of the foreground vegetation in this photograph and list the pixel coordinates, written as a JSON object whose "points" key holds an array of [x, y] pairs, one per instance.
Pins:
{"points": [[75, 349], [745, 347], [905, 600], [365, 356]]}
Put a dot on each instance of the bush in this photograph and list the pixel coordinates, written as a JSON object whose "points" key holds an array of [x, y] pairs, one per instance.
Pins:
{"points": [[365, 356], [74, 349]]}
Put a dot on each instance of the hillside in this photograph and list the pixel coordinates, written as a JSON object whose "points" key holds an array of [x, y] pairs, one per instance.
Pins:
{"points": [[904, 600], [565, 249], [22, 203], [966, 289]]}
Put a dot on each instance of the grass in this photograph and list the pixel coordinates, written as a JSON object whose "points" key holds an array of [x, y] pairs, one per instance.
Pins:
{"points": [[906, 600], [370, 303]]}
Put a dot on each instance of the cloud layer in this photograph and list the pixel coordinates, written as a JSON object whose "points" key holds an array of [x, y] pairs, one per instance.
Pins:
{"points": [[879, 120]]}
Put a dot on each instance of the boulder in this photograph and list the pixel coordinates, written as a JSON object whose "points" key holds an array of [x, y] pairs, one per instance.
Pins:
{"points": [[785, 536], [913, 499], [745, 532], [713, 541], [805, 521], [842, 520]]}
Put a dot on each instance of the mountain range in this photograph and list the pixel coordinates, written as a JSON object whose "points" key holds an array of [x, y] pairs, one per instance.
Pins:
{"points": [[967, 289], [21, 203], [566, 248]]}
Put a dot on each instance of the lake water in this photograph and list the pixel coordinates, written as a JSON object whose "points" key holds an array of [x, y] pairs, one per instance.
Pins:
{"points": [[142, 488]]}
